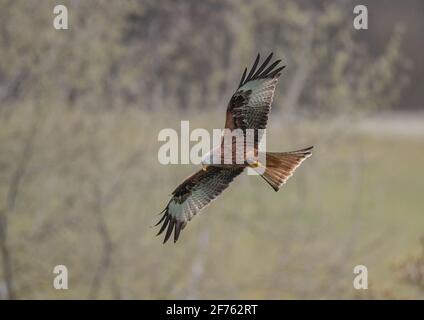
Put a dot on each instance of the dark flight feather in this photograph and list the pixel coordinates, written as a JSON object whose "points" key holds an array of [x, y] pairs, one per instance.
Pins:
{"points": [[169, 230], [191, 196], [264, 64], [265, 73], [242, 77], [252, 71]]}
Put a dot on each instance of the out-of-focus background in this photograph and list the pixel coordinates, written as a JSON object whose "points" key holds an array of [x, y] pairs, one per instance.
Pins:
{"points": [[80, 182]]}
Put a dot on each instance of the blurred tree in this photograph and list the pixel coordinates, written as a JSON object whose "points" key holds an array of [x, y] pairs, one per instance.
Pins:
{"points": [[78, 142], [189, 54]]}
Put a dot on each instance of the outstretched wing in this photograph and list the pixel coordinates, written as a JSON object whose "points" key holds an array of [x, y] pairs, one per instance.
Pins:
{"points": [[195, 193], [251, 103]]}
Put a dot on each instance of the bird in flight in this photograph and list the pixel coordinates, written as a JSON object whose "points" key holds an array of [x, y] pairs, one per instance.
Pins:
{"points": [[248, 108]]}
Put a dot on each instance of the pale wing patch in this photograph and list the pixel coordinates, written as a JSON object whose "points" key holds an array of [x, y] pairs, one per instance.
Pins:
{"points": [[251, 103], [198, 191], [254, 114]]}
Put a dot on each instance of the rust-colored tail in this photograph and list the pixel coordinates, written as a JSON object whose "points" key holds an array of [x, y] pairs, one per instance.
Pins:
{"points": [[281, 165]]}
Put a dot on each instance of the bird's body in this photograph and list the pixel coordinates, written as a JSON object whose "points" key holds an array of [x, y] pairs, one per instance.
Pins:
{"points": [[248, 108]]}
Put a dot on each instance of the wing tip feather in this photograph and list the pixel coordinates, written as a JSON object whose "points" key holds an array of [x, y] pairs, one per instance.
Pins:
{"points": [[262, 72], [173, 223], [170, 224]]}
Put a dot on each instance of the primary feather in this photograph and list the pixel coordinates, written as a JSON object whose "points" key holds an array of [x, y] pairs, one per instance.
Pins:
{"points": [[191, 196]]}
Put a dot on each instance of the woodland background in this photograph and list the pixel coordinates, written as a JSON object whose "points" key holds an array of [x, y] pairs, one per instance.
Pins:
{"points": [[80, 183]]}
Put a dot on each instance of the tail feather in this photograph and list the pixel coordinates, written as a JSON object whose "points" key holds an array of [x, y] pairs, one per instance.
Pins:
{"points": [[281, 165]]}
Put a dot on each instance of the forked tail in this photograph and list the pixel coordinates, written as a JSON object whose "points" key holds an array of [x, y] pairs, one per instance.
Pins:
{"points": [[281, 165]]}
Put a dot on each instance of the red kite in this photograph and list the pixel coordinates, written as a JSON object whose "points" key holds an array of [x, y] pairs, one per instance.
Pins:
{"points": [[248, 108]]}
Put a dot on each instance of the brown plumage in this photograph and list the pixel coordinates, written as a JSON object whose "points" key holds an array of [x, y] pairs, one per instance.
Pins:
{"points": [[280, 166], [249, 108]]}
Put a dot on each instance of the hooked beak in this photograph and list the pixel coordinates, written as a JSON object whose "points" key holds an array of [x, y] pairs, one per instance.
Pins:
{"points": [[204, 167]]}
